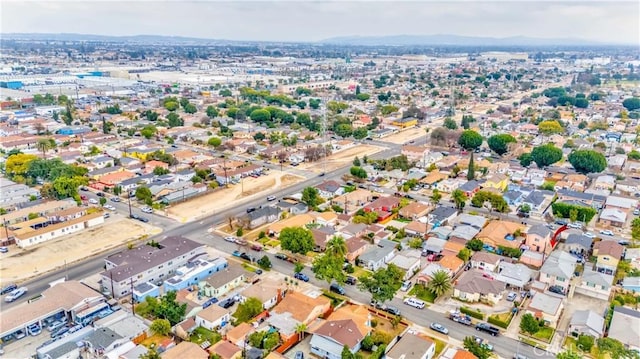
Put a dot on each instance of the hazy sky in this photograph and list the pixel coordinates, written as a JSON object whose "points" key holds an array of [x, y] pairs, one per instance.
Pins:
{"points": [[304, 20]]}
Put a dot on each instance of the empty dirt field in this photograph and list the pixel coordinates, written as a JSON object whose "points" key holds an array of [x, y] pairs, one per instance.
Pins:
{"points": [[340, 159], [405, 135], [221, 199], [21, 264]]}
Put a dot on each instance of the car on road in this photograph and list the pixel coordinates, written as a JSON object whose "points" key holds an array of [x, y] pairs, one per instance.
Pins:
{"points": [[606, 232], [391, 310], [258, 271], [143, 219], [271, 198], [256, 247], [230, 239], [575, 225], [562, 222], [416, 303], [351, 280], [301, 276], [84, 189], [281, 256], [336, 288], [4, 249], [321, 174], [115, 199], [15, 294], [589, 234], [236, 253], [147, 209], [241, 241], [488, 329], [8, 288], [93, 201], [251, 209], [519, 356], [483, 343], [512, 296], [636, 212], [439, 328], [247, 257], [624, 242], [109, 207]]}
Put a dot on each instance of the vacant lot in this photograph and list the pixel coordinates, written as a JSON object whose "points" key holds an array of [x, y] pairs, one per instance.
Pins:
{"points": [[341, 158], [405, 135], [19, 265], [221, 199]]}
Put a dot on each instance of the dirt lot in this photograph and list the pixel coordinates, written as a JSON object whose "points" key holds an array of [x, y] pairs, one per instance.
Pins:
{"points": [[405, 135], [19, 264], [208, 204], [341, 158]]}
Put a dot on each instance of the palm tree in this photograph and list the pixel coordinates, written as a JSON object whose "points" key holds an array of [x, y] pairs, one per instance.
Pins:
{"points": [[44, 145], [440, 283], [336, 247], [301, 328]]}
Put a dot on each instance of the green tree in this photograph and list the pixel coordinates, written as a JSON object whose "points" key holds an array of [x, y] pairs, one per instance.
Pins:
{"points": [[152, 353], [264, 262], [190, 108], [171, 105], [311, 196], [470, 140], [440, 283], [475, 348], [464, 254], [471, 170], [356, 161], [500, 143], [587, 161], [336, 247], [635, 229], [459, 198], [582, 103], [383, 284], [296, 240], [298, 267], [260, 115], [436, 196], [248, 310], [466, 121], [143, 193], [44, 145], [569, 354], [344, 130], [546, 155], [214, 142], [388, 109], [475, 245], [174, 120], [585, 342], [529, 324], [148, 131], [346, 353], [168, 308], [450, 123], [225, 93], [360, 133], [358, 172], [632, 103], [103, 201], [301, 104], [550, 127], [212, 112], [525, 159], [160, 327], [328, 267]]}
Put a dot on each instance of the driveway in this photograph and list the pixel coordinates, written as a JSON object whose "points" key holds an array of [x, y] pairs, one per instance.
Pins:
{"points": [[304, 346], [578, 302]]}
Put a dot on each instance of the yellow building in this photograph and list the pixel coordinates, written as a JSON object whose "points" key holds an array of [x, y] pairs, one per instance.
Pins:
{"points": [[497, 181], [405, 122]]}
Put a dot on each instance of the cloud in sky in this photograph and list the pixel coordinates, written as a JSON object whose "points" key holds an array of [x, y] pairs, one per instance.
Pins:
{"points": [[605, 21]]}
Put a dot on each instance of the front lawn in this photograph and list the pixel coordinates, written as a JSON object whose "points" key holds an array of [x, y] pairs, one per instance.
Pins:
{"points": [[200, 335], [421, 292], [544, 334]]}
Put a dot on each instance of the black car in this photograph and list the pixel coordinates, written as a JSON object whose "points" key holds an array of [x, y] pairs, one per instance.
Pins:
{"points": [[487, 328], [8, 289], [246, 257], [227, 303], [556, 289], [392, 310], [143, 219], [251, 209], [100, 194], [281, 256], [337, 289], [321, 174]]}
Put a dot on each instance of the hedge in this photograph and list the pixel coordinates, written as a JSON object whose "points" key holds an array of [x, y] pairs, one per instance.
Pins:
{"points": [[473, 313], [498, 322]]}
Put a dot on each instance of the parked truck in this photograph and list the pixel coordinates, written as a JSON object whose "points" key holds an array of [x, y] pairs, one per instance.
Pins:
{"points": [[459, 317]]}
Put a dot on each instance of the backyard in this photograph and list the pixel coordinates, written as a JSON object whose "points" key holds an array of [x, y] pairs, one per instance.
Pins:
{"points": [[200, 335]]}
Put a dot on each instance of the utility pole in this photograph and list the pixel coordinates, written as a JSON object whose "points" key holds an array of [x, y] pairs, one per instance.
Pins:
{"points": [[129, 199], [133, 307]]}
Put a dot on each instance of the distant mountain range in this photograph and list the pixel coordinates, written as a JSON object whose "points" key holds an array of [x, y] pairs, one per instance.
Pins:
{"points": [[455, 40], [395, 40]]}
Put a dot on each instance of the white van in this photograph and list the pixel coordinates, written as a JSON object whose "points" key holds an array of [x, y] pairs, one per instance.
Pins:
{"points": [[416, 303]]}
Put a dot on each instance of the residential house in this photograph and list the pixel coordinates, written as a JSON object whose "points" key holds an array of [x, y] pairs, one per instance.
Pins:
{"points": [[608, 255], [496, 181], [595, 284], [535, 177], [355, 248], [485, 261], [414, 153], [185, 350], [414, 210], [589, 199], [577, 243], [545, 307], [538, 238], [378, 256], [515, 275], [353, 201], [149, 166], [321, 236], [102, 161], [55, 225], [621, 203], [470, 188], [612, 217], [238, 334], [631, 284], [605, 183], [427, 272], [114, 179], [261, 216], [453, 353], [213, 317], [345, 327], [416, 229], [442, 216], [625, 327], [383, 206], [412, 346], [558, 269], [587, 322], [474, 286], [297, 308], [433, 245], [353, 230], [223, 281], [538, 201], [451, 263], [327, 219], [501, 233], [449, 185], [405, 122], [225, 350], [409, 261], [267, 291], [463, 233], [330, 189]]}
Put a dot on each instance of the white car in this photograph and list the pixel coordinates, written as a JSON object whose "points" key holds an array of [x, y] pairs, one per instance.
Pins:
{"points": [[271, 198], [589, 234], [17, 293], [416, 303], [147, 209], [109, 207], [606, 232], [575, 225], [93, 201], [230, 239]]}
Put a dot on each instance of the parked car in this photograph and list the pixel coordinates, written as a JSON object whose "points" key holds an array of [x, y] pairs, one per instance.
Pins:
{"points": [[227, 303], [100, 194], [512, 296], [93, 201], [236, 253], [299, 355], [230, 239], [4, 249], [15, 294], [247, 257], [147, 209], [60, 332], [439, 328], [8, 288], [251, 209], [405, 285], [84, 189], [336, 288], [115, 199], [589, 234], [351, 280], [143, 219], [575, 225], [488, 329], [56, 325], [271, 198], [256, 247], [392, 310], [34, 329], [19, 334], [281, 256], [301, 276], [483, 343], [556, 289], [241, 241], [606, 232], [416, 303]]}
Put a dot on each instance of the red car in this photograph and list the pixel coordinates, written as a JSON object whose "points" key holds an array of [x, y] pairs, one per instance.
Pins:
{"points": [[256, 247]]}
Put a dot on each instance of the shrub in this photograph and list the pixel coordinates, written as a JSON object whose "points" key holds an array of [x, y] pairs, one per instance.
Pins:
{"points": [[495, 321], [472, 312]]}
